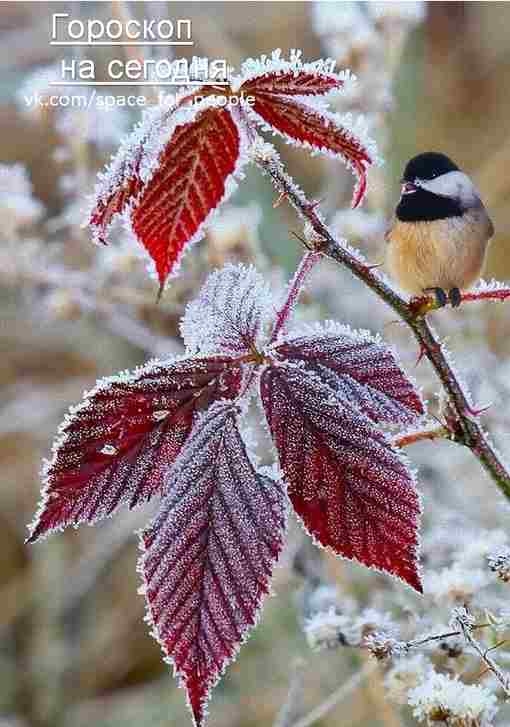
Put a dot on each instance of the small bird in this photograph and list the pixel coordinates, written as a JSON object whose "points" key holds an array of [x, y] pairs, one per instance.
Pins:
{"points": [[440, 231]]}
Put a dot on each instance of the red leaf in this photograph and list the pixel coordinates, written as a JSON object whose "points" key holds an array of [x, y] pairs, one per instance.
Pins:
{"points": [[121, 183], [319, 129], [292, 83], [209, 555], [189, 183], [168, 178], [116, 446], [365, 371], [352, 490]]}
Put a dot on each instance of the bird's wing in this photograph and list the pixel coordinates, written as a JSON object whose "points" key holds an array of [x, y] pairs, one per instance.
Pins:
{"points": [[490, 226], [389, 229]]}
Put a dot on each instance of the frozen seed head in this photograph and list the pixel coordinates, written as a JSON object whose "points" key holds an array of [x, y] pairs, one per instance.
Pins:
{"points": [[383, 645], [499, 563], [442, 698], [326, 630], [455, 584], [406, 674]]}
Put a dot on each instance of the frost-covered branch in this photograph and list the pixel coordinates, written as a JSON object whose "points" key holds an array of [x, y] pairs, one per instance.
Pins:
{"points": [[466, 425], [465, 622]]}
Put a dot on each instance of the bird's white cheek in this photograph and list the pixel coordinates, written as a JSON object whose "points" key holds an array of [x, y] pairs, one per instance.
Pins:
{"points": [[453, 184]]}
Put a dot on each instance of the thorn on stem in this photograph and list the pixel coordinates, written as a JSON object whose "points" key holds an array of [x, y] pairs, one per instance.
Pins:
{"points": [[477, 412], [303, 240], [421, 354], [279, 200], [312, 206]]}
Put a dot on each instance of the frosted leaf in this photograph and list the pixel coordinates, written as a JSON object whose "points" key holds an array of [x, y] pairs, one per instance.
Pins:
{"points": [[310, 125], [230, 314], [168, 178], [209, 554], [353, 491], [293, 77], [360, 367], [115, 447]]}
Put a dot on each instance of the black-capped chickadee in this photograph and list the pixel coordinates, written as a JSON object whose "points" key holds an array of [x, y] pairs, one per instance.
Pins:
{"points": [[440, 231]]}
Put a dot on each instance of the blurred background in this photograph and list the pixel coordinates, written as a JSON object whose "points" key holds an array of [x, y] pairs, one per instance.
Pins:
{"points": [[74, 649]]}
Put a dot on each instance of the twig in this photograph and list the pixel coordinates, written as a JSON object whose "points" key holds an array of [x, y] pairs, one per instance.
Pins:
{"points": [[338, 696], [468, 430], [421, 435], [291, 707], [463, 619]]}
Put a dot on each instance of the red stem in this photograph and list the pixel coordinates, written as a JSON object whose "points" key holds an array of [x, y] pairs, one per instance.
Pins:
{"points": [[295, 287]]}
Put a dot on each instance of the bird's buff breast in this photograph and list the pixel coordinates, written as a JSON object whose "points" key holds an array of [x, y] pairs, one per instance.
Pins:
{"points": [[443, 253]]}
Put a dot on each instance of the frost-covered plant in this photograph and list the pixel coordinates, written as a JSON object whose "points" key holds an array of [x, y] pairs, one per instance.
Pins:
{"points": [[331, 397], [445, 699], [195, 151], [173, 429]]}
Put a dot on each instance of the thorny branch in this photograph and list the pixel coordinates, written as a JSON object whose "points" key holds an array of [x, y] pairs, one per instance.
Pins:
{"points": [[466, 426]]}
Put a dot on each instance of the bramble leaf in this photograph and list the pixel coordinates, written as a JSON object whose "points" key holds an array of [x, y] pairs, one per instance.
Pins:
{"points": [[361, 367], [230, 313], [293, 83], [170, 178], [116, 446], [209, 554], [353, 491], [294, 77], [318, 129]]}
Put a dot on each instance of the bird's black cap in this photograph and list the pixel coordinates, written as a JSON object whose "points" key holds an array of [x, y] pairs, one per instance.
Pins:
{"points": [[429, 165]]}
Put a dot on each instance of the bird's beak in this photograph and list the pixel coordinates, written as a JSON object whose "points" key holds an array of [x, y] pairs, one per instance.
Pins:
{"points": [[408, 187]]}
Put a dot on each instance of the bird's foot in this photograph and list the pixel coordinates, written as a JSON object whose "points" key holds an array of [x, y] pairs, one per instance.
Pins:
{"points": [[440, 296], [455, 297], [422, 304]]}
